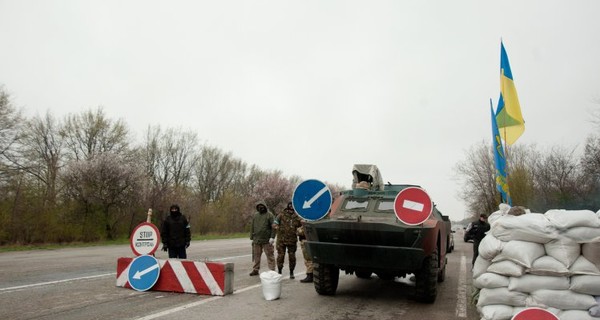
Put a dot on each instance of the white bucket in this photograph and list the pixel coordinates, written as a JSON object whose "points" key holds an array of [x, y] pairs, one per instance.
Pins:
{"points": [[271, 284]]}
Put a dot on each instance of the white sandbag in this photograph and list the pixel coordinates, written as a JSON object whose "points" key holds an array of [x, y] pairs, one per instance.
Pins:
{"points": [[575, 315], [501, 296], [582, 234], [583, 266], [271, 285], [520, 252], [585, 284], [490, 280], [490, 247], [506, 268], [529, 283], [563, 250], [532, 227], [563, 299], [591, 251], [548, 266], [480, 267], [496, 312], [595, 310], [568, 219]]}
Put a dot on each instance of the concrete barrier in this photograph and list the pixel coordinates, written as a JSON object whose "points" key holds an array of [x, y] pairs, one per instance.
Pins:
{"points": [[185, 276]]}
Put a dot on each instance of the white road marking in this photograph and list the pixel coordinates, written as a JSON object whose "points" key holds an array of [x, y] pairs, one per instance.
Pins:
{"points": [[461, 293], [55, 282]]}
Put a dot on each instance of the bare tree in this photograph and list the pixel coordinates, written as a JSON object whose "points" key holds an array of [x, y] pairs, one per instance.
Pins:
{"points": [[103, 186], [10, 128], [91, 133], [476, 175]]}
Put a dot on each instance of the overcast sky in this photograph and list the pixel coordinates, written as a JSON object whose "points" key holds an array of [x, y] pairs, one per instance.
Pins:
{"points": [[312, 87]]}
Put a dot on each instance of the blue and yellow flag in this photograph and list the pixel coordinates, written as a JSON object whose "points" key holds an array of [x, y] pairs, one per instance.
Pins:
{"points": [[509, 118], [499, 157]]}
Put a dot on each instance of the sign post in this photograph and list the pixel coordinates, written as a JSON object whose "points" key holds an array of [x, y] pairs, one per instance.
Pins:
{"points": [[145, 239], [312, 200], [413, 206]]}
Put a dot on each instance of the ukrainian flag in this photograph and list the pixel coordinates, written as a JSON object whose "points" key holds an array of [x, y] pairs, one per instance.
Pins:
{"points": [[508, 116], [500, 158]]}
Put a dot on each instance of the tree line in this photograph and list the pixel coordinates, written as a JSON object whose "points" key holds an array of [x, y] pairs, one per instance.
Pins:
{"points": [[83, 178], [539, 179]]}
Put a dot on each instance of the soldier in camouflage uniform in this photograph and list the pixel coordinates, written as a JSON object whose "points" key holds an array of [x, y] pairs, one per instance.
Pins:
{"points": [[287, 223], [307, 259]]}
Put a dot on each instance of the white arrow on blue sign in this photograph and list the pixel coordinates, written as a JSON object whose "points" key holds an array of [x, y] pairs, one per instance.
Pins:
{"points": [[143, 272], [312, 199]]}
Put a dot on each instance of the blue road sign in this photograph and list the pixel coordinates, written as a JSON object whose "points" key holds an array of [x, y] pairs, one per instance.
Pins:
{"points": [[143, 272], [312, 199]]}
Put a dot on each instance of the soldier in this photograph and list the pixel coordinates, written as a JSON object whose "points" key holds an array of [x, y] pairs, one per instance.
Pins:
{"points": [[307, 259], [262, 236], [478, 230], [287, 223]]}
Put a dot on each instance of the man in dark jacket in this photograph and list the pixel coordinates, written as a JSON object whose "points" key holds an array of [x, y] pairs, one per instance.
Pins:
{"points": [[478, 232], [262, 235], [175, 234]]}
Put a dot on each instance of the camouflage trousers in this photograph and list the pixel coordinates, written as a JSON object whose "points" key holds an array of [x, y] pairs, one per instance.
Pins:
{"points": [[307, 259], [291, 249], [257, 250]]}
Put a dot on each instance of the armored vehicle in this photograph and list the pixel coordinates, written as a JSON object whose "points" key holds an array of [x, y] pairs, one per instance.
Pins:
{"points": [[363, 236]]}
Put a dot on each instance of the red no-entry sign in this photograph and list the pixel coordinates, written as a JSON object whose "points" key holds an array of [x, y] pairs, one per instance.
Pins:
{"points": [[535, 314], [412, 205]]}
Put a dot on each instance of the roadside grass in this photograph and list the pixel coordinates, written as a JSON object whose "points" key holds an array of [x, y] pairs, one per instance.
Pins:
{"points": [[120, 241]]}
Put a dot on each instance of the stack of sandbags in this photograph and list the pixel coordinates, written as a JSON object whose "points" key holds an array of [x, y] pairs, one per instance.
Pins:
{"points": [[550, 261]]}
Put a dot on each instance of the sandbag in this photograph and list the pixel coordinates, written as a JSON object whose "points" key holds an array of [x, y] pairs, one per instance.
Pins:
{"points": [[548, 266], [583, 266], [529, 283], [531, 227], [585, 284], [480, 267], [575, 315], [496, 312], [490, 247], [520, 252], [568, 219], [563, 250], [563, 299], [501, 296], [591, 251], [490, 280], [582, 234], [506, 268]]}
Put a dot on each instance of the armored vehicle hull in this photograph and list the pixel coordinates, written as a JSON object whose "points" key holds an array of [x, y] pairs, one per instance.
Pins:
{"points": [[363, 236]]}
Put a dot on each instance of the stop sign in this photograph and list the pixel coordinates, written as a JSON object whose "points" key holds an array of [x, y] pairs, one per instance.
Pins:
{"points": [[535, 314], [412, 206]]}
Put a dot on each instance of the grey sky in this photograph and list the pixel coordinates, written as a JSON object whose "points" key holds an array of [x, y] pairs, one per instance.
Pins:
{"points": [[312, 87]]}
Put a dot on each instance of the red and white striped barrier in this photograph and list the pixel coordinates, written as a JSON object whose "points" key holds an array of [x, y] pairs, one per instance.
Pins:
{"points": [[187, 276]]}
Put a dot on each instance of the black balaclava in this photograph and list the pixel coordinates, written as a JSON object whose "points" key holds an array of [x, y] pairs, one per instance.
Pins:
{"points": [[175, 211]]}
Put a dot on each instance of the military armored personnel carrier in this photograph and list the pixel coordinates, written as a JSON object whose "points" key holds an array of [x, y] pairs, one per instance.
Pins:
{"points": [[363, 236]]}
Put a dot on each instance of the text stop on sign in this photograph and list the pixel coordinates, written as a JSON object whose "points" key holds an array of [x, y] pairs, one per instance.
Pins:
{"points": [[412, 206], [145, 239]]}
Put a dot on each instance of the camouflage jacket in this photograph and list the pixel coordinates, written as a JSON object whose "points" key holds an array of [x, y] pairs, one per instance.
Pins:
{"points": [[288, 222]]}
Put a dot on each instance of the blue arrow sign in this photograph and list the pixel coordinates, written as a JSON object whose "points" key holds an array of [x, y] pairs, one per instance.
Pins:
{"points": [[312, 200], [143, 272]]}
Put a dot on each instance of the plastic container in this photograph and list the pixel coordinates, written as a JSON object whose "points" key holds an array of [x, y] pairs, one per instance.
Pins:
{"points": [[271, 284]]}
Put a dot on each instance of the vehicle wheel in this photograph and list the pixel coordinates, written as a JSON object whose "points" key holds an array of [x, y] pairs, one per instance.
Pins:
{"points": [[363, 274], [325, 278], [442, 273], [426, 279]]}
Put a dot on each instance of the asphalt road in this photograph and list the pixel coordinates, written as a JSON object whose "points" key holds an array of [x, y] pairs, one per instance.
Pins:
{"points": [[80, 283]]}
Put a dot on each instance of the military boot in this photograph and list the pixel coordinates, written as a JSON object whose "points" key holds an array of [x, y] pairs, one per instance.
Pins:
{"points": [[308, 279], [292, 274]]}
